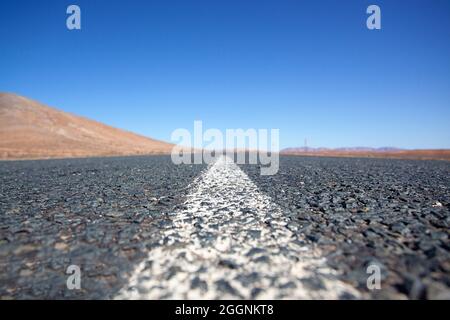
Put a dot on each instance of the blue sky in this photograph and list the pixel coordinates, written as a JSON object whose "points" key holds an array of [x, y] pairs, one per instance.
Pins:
{"points": [[310, 68]]}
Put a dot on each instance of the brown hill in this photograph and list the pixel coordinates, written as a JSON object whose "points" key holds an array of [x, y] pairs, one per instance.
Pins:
{"points": [[30, 130]]}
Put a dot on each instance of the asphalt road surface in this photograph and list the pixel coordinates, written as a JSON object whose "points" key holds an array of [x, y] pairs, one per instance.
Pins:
{"points": [[144, 228]]}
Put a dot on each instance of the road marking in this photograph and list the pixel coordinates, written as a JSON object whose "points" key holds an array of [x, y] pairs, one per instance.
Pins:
{"points": [[230, 241]]}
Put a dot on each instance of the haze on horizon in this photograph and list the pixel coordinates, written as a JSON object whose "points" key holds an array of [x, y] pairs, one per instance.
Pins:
{"points": [[310, 68]]}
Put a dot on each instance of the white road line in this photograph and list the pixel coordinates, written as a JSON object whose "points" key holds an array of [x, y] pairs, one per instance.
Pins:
{"points": [[231, 242]]}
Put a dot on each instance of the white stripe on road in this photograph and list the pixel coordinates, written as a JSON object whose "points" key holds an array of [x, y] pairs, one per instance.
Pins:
{"points": [[230, 241]]}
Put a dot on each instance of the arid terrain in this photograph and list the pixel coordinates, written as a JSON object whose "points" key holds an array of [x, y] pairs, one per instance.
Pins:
{"points": [[146, 228], [420, 154], [31, 130]]}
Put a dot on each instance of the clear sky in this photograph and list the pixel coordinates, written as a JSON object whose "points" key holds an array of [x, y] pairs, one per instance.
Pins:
{"points": [[310, 68]]}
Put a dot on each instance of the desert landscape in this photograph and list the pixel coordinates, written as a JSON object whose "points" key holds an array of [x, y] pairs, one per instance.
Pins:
{"points": [[225, 159], [32, 130]]}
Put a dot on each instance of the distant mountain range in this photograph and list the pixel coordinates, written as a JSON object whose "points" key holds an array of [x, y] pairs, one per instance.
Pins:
{"points": [[29, 129], [349, 149], [367, 152]]}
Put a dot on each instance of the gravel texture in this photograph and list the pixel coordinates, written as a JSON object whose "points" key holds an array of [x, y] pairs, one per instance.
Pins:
{"points": [[393, 213], [138, 226], [102, 214]]}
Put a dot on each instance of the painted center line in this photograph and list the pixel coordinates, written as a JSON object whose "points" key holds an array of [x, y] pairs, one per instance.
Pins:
{"points": [[230, 241]]}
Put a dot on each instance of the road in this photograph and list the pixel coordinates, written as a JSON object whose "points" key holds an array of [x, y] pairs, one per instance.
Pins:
{"points": [[144, 228]]}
